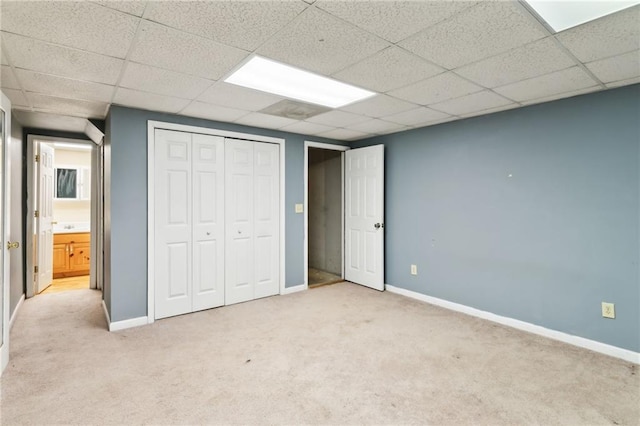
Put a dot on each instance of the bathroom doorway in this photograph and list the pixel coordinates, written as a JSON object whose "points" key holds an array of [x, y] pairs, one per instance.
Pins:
{"points": [[62, 237]]}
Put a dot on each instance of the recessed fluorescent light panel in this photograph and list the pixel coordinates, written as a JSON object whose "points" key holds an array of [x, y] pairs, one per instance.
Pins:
{"points": [[273, 77], [561, 15]]}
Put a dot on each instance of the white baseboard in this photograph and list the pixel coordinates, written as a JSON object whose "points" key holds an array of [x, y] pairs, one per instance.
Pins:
{"points": [[294, 289], [582, 342], [124, 324], [15, 311]]}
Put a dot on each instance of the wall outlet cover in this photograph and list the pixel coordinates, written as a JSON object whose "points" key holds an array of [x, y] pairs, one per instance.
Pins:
{"points": [[608, 310], [414, 270], [299, 208]]}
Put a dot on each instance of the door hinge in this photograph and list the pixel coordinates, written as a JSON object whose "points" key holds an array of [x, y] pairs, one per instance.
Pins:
{"points": [[37, 158], [35, 269], [36, 214]]}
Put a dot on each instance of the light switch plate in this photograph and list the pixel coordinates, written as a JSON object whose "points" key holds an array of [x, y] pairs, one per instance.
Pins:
{"points": [[299, 208]]}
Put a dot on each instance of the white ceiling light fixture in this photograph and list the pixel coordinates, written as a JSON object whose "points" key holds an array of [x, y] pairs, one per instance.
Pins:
{"points": [[270, 76], [565, 14]]}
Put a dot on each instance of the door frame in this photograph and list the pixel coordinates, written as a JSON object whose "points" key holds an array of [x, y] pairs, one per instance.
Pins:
{"points": [[330, 147], [97, 216], [5, 275], [152, 125]]}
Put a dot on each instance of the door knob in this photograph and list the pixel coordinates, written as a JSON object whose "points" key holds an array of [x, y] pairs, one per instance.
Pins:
{"points": [[13, 245], [378, 225]]}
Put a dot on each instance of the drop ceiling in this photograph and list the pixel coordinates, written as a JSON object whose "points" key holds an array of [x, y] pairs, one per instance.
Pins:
{"points": [[429, 61]]}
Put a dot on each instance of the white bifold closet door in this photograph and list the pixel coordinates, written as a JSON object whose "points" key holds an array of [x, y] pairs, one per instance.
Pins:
{"points": [[189, 222], [252, 220]]}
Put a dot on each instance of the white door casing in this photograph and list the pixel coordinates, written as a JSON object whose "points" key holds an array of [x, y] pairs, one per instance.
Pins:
{"points": [[364, 216], [44, 226], [252, 220]]}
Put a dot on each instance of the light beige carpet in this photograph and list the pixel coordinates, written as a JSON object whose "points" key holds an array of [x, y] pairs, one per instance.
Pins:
{"points": [[339, 354]]}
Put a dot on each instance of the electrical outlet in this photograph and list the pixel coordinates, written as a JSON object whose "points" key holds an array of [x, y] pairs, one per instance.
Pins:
{"points": [[299, 208], [414, 270], [608, 310]]}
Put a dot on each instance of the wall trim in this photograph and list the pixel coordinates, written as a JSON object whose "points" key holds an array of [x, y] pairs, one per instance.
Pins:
{"points": [[581, 342], [294, 289], [129, 323], [152, 125], [15, 311]]}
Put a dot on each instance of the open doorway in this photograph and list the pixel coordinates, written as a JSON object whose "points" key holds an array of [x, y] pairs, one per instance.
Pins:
{"points": [[62, 237], [324, 226]]}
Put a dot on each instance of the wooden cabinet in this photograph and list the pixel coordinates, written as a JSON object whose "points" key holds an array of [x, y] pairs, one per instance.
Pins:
{"points": [[71, 254]]}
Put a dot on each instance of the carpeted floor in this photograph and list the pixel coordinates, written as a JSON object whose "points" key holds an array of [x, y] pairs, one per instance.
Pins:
{"points": [[339, 354]]}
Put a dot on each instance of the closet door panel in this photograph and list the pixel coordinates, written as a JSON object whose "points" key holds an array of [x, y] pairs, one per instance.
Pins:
{"points": [[266, 219], [208, 221], [239, 206], [173, 240]]}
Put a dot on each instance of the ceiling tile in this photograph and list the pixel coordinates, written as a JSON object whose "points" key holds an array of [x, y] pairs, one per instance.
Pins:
{"points": [[64, 87], [608, 36], [163, 82], [379, 106], [623, 82], [16, 97], [175, 50], [8, 78], [148, 101], [63, 61], [306, 128], [389, 69], [316, 41], [563, 95], [246, 24], [338, 118], [132, 7], [212, 112], [436, 89], [476, 33], [81, 25], [471, 103], [68, 106], [238, 97], [257, 119], [537, 58], [393, 20], [377, 126], [621, 67], [416, 116], [547, 85], [345, 134]]}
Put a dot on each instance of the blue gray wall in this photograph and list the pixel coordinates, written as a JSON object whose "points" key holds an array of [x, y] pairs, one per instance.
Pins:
{"points": [[530, 213], [125, 292]]}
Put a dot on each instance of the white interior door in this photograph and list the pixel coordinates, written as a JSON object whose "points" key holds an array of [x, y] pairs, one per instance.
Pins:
{"points": [[266, 219], [173, 233], [4, 231], [364, 216], [208, 221], [252, 220], [239, 267], [44, 229]]}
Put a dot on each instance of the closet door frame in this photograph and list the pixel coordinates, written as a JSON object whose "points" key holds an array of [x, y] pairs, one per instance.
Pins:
{"points": [[152, 126]]}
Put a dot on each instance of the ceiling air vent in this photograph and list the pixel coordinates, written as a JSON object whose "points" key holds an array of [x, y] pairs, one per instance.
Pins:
{"points": [[294, 109]]}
